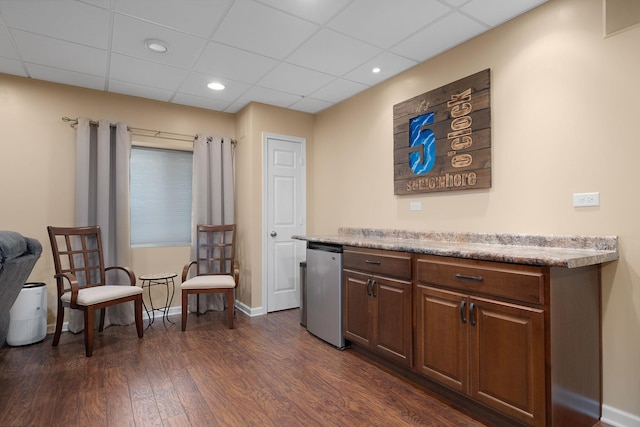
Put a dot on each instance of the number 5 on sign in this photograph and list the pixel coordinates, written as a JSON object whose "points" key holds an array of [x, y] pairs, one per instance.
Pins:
{"points": [[422, 154]]}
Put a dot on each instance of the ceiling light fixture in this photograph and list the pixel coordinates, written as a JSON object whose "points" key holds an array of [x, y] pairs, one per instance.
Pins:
{"points": [[376, 70], [157, 46], [215, 86]]}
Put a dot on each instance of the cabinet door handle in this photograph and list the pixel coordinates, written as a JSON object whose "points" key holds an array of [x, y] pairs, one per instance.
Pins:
{"points": [[471, 317], [374, 262], [465, 277], [373, 288], [463, 304], [369, 287]]}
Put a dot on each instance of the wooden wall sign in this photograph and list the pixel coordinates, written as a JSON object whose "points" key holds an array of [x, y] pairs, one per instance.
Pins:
{"points": [[442, 138]]}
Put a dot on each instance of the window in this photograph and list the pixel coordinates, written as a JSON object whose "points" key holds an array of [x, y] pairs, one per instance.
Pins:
{"points": [[160, 193]]}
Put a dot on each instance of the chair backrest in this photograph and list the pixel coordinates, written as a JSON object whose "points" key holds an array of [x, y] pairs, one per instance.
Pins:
{"points": [[78, 250], [215, 249]]}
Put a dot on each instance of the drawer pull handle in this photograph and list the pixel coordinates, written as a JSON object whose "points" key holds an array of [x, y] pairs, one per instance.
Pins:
{"points": [[463, 319], [367, 261], [465, 277], [369, 287], [373, 288]]}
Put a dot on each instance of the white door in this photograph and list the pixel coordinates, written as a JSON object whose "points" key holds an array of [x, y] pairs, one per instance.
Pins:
{"points": [[284, 208]]}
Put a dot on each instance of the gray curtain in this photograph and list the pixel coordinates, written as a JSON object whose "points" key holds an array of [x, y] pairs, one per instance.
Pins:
{"points": [[102, 197], [213, 198]]}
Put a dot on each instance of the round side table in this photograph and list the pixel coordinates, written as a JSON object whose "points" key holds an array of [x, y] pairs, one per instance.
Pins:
{"points": [[155, 279]]}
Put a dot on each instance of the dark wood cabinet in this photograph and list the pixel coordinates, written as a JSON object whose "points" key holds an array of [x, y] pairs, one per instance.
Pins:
{"points": [[490, 332], [516, 344], [489, 350], [378, 302], [506, 363]]}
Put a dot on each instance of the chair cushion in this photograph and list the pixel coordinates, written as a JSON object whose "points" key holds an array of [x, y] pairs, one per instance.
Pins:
{"points": [[219, 281], [98, 294]]}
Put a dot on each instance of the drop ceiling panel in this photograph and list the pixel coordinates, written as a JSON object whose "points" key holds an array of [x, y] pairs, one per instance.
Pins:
{"points": [[263, 30], [139, 90], [316, 11], [384, 23], [444, 34], [455, 3], [194, 83], [56, 53], [311, 105], [495, 12], [268, 96], [201, 102], [295, 80], [338, 90], [6, 48], [129, 36], [199, 18], [66, 77], [332, 53], [63, 19], [146, 73], [13, 66], [232, 63], [390, 64]]}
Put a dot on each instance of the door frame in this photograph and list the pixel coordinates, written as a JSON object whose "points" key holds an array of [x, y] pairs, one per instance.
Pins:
{"points": [[265, 203]]}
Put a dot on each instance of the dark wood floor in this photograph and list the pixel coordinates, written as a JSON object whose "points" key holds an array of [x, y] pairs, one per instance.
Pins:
{"points": [[269, 371]]}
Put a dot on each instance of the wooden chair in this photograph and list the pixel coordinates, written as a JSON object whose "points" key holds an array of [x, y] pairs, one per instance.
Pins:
{"points": [[81, 280], [217, 271]]}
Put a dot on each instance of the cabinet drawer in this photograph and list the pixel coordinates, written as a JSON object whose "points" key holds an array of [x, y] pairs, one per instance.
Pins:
{"points": [[385, 263], [516, 282]]}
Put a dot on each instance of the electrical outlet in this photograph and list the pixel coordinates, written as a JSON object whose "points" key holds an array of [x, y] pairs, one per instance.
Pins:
{"points": [[586, 199], [415, 206]]}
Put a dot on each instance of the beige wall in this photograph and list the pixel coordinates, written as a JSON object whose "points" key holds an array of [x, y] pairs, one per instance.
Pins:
{"points": [[564, 110], [253, 123]]}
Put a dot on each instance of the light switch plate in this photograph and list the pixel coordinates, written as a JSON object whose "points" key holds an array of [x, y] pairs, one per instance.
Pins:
{"points": [[586, 199], [415, 206]]}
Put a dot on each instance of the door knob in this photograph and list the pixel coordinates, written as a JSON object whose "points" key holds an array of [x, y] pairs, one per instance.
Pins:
{"points": [[274, 234]]}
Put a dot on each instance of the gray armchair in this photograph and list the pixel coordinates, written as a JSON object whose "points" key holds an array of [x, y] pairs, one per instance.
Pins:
{"points": [[18, 256]]}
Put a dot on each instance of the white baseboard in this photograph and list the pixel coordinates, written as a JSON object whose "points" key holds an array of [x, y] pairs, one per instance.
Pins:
{"points": [[251, 312], [173, 311], [619, 418]]}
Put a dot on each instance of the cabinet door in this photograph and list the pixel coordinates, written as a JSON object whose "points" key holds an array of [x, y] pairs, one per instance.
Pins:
{"points": [[442, 337], [357, 322], [392, 316], [507, 358]]}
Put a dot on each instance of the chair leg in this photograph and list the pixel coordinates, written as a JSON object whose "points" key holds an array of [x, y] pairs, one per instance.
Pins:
{"points": [[230, 308], [59, 321], [102, 315], [185, 296], [88, 331], [139, 322]]}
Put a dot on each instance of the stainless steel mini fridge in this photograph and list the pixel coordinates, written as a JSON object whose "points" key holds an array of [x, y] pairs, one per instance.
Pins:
{"points": [[324, 293]]}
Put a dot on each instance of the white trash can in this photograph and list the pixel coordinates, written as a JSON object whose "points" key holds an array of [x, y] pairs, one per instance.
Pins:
{"points": [[28, 315]]}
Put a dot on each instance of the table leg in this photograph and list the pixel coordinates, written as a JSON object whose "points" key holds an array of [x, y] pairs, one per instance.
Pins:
{"points": [[168, 301]]}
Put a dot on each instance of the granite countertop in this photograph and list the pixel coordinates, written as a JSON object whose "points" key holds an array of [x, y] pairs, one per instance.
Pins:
{"points": [[551, 251]]}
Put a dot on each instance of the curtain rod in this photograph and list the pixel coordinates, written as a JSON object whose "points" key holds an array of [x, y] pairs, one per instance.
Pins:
{"points": [[146, 132]]}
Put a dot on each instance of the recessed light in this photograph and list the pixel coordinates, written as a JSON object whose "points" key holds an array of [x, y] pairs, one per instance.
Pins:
{"points": [[157, 46], [215, 86], [376, 70]]}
